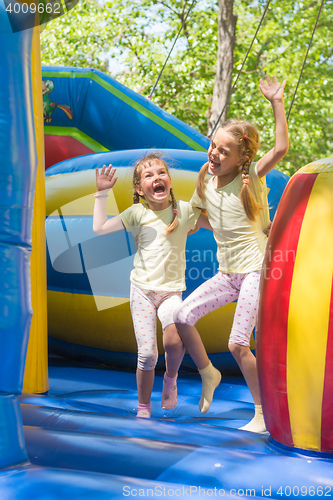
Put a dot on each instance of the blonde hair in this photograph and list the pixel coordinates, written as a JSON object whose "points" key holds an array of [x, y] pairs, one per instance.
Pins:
{"points": [[147, 161], [247, 139]]}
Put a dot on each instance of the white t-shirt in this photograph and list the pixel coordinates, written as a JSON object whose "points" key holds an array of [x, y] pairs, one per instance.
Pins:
{"points": [[159, 263], [241, 243]]}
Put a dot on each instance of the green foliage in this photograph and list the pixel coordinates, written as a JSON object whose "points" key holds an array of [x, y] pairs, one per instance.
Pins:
{"points": [[280, 50], [78, 38], [138, 35]]}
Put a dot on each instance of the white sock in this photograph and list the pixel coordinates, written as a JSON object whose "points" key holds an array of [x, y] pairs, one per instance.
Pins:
{"points": [[257, 424], [211, 377]]}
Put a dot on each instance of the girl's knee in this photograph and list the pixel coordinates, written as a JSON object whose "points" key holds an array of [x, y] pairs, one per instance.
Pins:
{"points": [[172, 341], [233, 348], [238, 350], [239, 338], [147, 359], [178, 315], [183, 317]]}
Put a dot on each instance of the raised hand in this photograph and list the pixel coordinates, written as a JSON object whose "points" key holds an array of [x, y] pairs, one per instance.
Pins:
{"points": [[272, 91], [105, 179]]}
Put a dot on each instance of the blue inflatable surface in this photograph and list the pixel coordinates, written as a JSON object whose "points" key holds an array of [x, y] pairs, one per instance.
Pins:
{"points": [[87, 423]]}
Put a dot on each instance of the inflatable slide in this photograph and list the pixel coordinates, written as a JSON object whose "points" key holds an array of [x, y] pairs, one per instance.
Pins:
{"points": [[86, 111]]}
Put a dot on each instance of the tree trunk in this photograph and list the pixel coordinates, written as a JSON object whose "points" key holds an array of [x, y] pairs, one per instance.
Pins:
{"points": [[226, 42]]}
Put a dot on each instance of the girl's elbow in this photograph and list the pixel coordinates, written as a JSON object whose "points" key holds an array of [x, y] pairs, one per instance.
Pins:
{"points": [[285, 150], [282, 151]]}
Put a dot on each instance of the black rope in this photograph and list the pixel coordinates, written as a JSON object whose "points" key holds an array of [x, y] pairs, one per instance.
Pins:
{"points": [[306, 56], [174, 43], [234, 85]]}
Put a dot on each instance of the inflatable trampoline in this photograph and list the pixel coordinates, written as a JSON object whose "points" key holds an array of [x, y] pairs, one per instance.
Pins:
{"points": [[74, 434]]}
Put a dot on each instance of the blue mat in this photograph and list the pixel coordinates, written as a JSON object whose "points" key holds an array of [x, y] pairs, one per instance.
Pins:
{"points": [[87, 424]]}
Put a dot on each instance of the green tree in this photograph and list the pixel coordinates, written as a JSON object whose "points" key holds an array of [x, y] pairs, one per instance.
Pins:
{"points": [[226, 25], [79, 38], [139, 34], [280, 49]]}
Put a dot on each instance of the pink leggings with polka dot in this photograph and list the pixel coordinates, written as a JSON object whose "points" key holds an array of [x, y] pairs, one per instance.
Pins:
{"points": [[219, 291], [146, 306]]}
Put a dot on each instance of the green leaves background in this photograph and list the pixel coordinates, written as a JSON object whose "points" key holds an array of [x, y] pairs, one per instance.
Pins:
{"points": [[130, 40]]}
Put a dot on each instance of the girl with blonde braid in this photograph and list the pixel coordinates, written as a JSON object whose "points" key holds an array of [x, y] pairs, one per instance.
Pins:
{"points": [[160, 227], [235, 197]]}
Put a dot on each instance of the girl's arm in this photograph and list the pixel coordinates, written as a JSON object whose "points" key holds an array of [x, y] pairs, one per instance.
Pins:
{"points": [[104, 182], [203, 221], [274, 93]]}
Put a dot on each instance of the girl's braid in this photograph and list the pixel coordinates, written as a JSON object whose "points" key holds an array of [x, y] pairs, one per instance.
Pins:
{"points": [[201, 181], [174, 223], [136, 197], [248, 147]]}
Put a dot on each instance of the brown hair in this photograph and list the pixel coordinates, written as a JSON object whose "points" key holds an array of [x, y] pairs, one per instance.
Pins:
{"points": [[146, 161], [247, 139]]}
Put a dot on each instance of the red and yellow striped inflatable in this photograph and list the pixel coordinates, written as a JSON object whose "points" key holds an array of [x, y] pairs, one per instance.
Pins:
{"points": [[295, 328]]}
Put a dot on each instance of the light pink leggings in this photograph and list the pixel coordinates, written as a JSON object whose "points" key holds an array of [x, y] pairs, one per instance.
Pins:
{"points": [[218, 291], [145, 306]]}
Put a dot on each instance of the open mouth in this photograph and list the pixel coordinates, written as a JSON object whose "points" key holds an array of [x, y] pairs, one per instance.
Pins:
{"points": [[159, 188], [213, 164]]}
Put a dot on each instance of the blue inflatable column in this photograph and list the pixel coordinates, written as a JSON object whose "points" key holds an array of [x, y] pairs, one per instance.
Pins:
{"points": [[18, 164]]}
